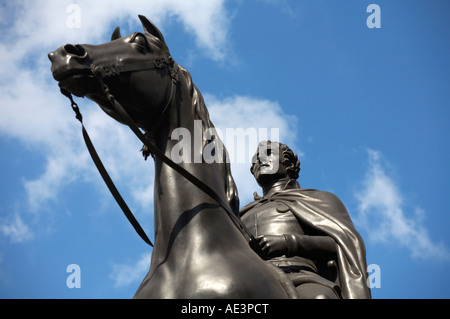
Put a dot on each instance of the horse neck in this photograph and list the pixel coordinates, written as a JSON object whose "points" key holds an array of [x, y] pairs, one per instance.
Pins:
{"points": [[177, 200]]}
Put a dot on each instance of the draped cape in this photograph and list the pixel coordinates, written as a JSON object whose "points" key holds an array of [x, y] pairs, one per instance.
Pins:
{"points": [[325, 214]]}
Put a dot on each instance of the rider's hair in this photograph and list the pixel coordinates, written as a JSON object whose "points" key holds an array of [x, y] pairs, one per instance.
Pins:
{"points": [[290, 160]]}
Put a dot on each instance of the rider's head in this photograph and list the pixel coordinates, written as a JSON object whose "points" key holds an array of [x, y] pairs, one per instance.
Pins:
{"points": [[273, 161]]}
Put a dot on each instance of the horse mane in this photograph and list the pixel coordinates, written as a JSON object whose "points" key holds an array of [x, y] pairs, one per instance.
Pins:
{"points": [[201, 113]]}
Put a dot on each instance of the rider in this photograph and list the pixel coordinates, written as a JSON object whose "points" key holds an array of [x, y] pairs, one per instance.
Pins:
{"points": [[306, 233]]}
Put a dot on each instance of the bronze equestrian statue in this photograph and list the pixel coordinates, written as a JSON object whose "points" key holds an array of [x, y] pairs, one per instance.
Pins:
{"points": [[202, 249]]}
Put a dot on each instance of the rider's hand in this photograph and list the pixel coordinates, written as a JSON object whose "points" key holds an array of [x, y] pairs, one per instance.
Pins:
{"points": [[273, 245]]}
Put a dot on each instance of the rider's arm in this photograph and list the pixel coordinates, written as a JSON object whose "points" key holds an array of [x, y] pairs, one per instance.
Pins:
{"points": [[310, 246]]}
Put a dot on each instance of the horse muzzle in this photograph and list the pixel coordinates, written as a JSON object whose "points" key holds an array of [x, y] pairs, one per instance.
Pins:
{"points": [[71, 68]]}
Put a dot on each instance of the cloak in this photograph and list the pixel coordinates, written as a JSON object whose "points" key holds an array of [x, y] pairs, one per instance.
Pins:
{"points": [[325, 214]]}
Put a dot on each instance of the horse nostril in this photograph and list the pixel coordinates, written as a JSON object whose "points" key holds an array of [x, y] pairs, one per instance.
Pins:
{"points": [[50, 56], [76, 50]]}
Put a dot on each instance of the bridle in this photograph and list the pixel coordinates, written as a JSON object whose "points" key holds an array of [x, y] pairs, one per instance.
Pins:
{"points": [[103, 71], [108, 70]]}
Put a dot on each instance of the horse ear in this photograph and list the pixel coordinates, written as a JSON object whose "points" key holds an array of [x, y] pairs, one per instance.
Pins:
{"points": [[116, 34], [150, 28]]}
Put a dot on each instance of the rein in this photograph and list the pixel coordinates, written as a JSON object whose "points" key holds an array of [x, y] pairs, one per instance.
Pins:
{"points": [[149, 147], [106, 178]]}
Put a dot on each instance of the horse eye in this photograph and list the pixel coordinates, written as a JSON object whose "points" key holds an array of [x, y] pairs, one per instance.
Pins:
{"points": [[140, 40]]}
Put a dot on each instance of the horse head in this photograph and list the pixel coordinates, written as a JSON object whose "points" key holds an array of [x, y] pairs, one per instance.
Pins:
{"points": [[137, 70]]}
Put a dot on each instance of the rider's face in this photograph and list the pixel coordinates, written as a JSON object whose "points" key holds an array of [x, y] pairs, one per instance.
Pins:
{"points": [[267, 164]]}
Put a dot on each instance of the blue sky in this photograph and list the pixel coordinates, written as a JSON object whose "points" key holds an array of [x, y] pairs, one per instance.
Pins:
{"points": [[366, 110]]}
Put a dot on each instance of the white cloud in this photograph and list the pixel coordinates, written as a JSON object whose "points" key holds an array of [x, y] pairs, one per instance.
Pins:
{"points": [[15, 230], [128, 273], [44, 23], [33, 111], [119, 149], [255, 115], [386, 218], [209, 22]]}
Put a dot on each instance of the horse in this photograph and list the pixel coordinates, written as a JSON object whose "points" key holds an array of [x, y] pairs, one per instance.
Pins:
{"points": [[199, 251]]}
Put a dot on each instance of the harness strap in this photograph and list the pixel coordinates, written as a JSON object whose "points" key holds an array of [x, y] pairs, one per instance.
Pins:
{"points": [[106, 178], [113, 69]]}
